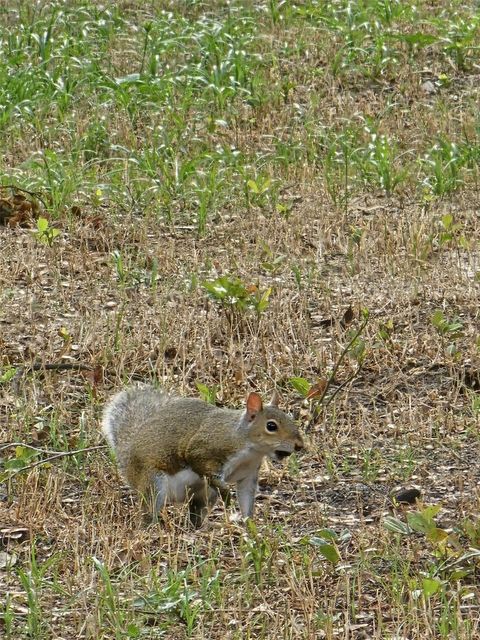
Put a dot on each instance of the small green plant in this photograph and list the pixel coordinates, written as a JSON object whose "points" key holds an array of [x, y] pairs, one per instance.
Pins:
{"points": [[45, 233], [7, 617], [23, 457], [235, 297], [354, 244], [33, 582], [109, 599], [260, 191], [339, 157], [176, 598], [326, 543], [208, 394], [449, 231], [257, 551], [443, 165], [378, 162], [450, 329], [119, 265], [371, 461], [6, 374]]}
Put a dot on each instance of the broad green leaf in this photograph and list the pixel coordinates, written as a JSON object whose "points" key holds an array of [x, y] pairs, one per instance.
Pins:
{"points": [[329, 552], [430, 512], [301, 385], [419, 523], [430, 586], [327, 534], [7, 374], [42, 224], [438, 319], [437, 535], [396, 525], [206, 393], [447, 221]]}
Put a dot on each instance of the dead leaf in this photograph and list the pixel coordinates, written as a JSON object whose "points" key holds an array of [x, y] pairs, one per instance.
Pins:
{"points": [[17, 534], [348, 316], [316, 390], [7, 560]]}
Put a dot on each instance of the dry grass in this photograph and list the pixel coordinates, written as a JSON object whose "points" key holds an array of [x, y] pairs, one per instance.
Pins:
{"points": [[326, 233]]}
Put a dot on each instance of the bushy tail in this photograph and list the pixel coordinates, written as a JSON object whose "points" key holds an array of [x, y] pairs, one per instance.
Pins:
{"points": [[116, 416], [128, 410]]}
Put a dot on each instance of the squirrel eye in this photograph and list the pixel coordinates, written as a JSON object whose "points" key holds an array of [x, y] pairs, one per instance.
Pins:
{"points": [[271, 426]]}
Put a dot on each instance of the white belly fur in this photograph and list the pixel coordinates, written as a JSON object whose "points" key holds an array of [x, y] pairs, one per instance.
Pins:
{"points": [[174, 488]]}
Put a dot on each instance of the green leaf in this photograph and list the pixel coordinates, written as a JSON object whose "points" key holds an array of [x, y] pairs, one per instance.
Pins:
{"points": [[447, 221], [262, 304], [430, 586], [133, 631], [436, 535], [253, 186], [131, 78], [327, 534], [418, 38], [329, 552], [438, 319], [42, 224], [7, 374], [430, 512], [301, 385], [418, 523], [265, 185], [396, 525], [206, 393]]}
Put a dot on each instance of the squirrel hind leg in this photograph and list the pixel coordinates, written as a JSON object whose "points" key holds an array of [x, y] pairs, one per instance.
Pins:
{"points": [[202, 497]]}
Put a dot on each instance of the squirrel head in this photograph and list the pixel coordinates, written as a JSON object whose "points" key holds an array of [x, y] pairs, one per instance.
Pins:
{"points": [[270, 430]]}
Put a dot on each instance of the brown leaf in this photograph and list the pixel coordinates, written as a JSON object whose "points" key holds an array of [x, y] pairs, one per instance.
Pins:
{"points": [[348, 316], [317, 389], [6, 209], [18, 198], [95, 376]]}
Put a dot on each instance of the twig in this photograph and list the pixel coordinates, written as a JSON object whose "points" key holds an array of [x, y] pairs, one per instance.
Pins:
{"points": [[342, 358], [34, 194], [343, 385], [10, 445], [61, 454], [331, 378]]}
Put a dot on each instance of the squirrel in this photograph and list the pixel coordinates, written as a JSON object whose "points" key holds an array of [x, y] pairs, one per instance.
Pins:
{"points": [[173, 449]]}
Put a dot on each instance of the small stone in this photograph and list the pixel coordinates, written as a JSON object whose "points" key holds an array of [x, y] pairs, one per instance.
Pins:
{"points": [[407, 496], [428, 87]]}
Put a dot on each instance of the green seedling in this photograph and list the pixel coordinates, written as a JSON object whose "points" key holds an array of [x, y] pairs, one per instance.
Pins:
{"points": [[208, 394], [233, 295], [326, 543], [453, 328], [45, 233]]}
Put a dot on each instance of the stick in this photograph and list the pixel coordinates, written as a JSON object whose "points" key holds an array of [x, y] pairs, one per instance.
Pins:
{"points": [[59, 454]]}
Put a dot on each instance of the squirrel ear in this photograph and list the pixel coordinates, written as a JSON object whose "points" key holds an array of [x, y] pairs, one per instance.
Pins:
{"points": [[254, 405], [275, 401]]}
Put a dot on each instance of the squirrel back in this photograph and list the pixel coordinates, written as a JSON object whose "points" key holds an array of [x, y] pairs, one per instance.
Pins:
{"points": [[157, 437]]}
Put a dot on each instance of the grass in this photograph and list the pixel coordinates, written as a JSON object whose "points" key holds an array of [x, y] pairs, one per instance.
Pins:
{"points": [[195, 193]]}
